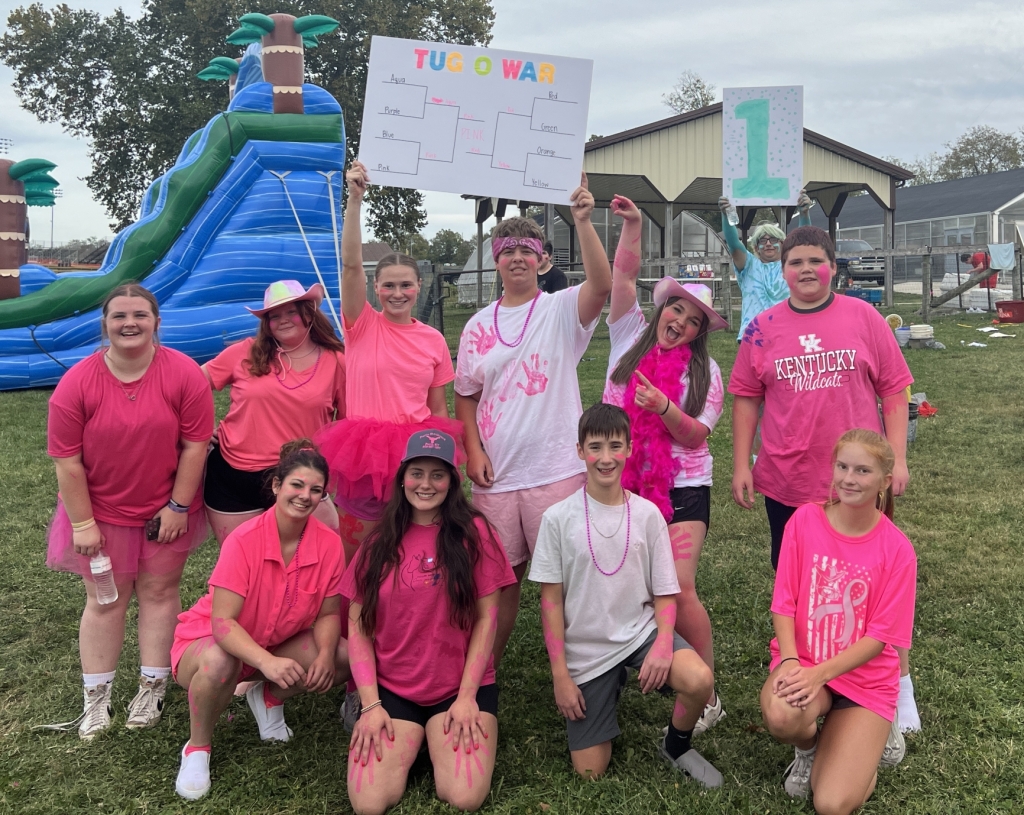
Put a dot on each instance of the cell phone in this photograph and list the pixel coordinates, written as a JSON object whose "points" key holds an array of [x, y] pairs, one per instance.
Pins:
{"points": [[153, 529]]}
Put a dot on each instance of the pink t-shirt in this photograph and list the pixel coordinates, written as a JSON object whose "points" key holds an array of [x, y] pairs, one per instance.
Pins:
{"points": [[130, 448], [420, 655], [838, 589], [250, 564], [391, 367], [696, 462], [820, 373], [264, 414]]}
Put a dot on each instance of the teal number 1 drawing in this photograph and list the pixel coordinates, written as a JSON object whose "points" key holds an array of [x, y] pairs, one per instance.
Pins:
{"points": [[757, 184]]}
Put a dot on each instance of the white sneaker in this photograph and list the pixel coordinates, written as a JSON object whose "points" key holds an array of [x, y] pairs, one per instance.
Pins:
{"points": [[711, 716], [147, 707], [96, 717], [895, 745], [270, 719], [194, 775], [797, 779]]}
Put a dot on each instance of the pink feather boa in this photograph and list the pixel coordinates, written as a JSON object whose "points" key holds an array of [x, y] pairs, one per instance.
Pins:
{"points": [[652, 469]]}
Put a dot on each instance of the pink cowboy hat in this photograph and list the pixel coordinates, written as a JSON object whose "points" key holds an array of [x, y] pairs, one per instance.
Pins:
{"points": [[287, 291], [696, 293]]}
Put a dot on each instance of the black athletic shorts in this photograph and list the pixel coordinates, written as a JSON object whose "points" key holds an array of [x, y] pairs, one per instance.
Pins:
{"points": [[398, 707], [229, 490], [778, 516], [691, 504]]}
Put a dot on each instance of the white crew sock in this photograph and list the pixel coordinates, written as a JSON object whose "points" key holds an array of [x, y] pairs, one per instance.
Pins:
{"points": [[910, 720], [92, 680], [155, 673]]}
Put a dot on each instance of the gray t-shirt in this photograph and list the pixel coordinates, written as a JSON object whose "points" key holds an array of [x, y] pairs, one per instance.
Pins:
{"points": [[606, 617]]}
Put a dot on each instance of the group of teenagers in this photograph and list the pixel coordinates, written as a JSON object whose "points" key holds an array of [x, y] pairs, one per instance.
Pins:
{"points": [[349, 554]]}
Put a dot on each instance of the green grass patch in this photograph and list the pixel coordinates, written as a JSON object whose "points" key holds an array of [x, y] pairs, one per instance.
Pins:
{"points": [[962, 511]]}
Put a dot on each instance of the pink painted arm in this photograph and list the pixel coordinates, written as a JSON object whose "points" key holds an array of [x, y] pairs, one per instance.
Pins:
{"points": [[362, 660], [552, 618], [658, 662], [896, 413], [229, 635], [627, 258], [481, 644]]}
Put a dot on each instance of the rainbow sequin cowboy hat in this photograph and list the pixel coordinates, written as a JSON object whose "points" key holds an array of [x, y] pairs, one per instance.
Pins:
{"points": [[696, 293], [287, 291]]}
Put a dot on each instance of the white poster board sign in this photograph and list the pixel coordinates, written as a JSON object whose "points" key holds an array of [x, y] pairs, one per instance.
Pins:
{"points": [[476, 121], [762, 145]]}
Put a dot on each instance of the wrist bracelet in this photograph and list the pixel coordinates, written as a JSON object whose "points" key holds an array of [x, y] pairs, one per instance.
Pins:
{"points": [[174, 506], [787, 659], [84, 525], [370, 706], [668, 404]]}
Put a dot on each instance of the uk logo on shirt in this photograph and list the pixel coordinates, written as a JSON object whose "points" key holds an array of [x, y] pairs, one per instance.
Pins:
{"points": [[837, 607]]}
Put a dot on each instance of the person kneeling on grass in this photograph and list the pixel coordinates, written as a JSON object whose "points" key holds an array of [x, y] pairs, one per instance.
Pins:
{"points": [[273, 614], [608, 589], [424, 607], [844, 597]]}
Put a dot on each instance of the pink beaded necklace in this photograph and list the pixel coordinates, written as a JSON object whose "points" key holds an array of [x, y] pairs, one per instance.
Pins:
{"points": [[526, 325], [306, 381], [291, 596], [590, 545]]}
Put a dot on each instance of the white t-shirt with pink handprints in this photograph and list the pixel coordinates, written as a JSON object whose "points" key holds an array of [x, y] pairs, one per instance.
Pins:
{"points": [[529, 395], [696, 461]]}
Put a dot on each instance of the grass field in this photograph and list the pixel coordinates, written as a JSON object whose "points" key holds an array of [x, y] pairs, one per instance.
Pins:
{"points": [[962, 511]]}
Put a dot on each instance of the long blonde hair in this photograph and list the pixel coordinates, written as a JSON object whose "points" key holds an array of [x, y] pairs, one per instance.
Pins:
{"points": [[882, 452]]}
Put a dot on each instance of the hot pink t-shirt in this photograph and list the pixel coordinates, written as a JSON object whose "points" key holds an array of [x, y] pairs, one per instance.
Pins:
{"points": [[264, 414], [250, 564], [820, 373], [838, 589], [420, 655], [391, 367], [130, 448]]}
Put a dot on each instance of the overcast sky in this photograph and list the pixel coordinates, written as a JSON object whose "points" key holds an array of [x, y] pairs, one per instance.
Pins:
{"points": [[899, 77]]}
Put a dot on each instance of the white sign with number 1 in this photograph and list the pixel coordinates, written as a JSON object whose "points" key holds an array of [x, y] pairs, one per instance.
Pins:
{"points": [[763, 145]]}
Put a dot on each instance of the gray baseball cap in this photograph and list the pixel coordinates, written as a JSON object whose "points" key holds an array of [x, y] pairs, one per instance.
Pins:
{"points": [[431, 444]]}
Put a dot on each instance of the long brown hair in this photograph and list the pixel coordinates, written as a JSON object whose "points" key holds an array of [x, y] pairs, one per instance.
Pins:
{"points": [[263, 354], [130, 289], [459, 549], [882, 452], [698, 371]]}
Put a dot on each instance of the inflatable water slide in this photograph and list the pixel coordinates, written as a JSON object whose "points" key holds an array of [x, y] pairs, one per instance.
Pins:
{"points": [[254, 197]]}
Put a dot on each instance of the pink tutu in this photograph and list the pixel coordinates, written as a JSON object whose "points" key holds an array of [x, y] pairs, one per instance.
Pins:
{"points": [[126, 546], [364, 456]]}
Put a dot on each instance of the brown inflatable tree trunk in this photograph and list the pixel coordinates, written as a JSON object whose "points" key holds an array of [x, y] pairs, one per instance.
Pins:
{"points": [[283, 63], [13, 217]]}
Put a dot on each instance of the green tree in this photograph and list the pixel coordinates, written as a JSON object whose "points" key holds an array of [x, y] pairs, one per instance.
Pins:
{"points": [[130, 87], [449, 247], [925, 170], [690, 92], [979, 151], [395, 215]]}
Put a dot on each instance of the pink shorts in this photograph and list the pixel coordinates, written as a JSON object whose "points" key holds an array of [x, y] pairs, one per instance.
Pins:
{"points": [[516, 514]]}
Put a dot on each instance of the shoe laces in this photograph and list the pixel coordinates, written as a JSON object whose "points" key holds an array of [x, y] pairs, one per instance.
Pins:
{"points": [[96, 708], [800, 768], [147, 700]]}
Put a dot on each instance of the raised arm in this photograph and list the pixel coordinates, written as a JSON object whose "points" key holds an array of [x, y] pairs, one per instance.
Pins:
{"points": [[353, 279], [595, 289], [627, 257], [803, 203], [732, 238]]}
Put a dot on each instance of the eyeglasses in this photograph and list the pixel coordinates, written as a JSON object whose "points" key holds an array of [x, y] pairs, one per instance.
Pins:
{"points": [[769, 242]]}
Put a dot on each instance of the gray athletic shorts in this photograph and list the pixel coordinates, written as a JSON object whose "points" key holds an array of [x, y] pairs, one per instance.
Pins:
{"points": [[601, 694]]}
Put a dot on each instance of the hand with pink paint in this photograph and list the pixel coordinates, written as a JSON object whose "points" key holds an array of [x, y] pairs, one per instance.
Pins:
{"points": [[569, 698], [282, 671], [463, 723], [483, 341], [648, 397], [357, 179], [657, 663], [625, 209], [536, 380], [369, 733]]}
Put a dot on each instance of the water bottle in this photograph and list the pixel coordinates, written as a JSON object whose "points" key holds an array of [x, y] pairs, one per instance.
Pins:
{"points": [[731, 215], [103, 574]]}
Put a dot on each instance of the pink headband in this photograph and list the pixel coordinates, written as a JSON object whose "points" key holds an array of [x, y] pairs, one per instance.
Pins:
{"points": [[499, 245]]}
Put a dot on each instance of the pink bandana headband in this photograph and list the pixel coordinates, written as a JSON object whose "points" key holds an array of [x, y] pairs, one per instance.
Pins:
{"points": [[499, 245]]}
